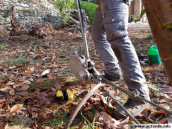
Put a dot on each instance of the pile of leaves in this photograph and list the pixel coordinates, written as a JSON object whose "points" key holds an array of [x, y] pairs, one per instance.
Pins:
{"points": [[32, 70]]}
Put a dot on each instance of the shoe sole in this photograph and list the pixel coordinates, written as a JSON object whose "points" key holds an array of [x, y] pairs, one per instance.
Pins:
{"points": [[118, 115]]}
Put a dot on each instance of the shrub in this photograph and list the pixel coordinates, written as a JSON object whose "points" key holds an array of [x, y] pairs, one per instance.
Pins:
{"points": [[62, 5], [89, 9]]}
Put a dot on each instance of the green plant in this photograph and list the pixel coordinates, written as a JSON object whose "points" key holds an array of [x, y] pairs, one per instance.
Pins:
{"points": [[89, 9], [149, 37], [169, 26], [2, 46], [88, 124], [142, 31], [17, 61], [21, 122], [60, 119], [133, 17], [142, 13], [3, 76], [63, 5]]}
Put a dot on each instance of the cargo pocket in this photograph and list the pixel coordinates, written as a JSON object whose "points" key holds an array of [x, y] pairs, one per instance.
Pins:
{"points": [[115, 26]]}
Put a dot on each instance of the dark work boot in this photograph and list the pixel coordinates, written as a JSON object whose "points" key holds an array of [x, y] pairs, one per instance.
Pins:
{"points": [[114, 77], [133, 107]]}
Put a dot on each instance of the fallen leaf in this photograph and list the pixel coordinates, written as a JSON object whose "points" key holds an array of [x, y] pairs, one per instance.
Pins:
{"points": [[3, 115], [1, 61], [25, 87], [2, 100], [5, 89], [32, 69], [78, 36], [160, 113], [27, 82], [44, 73], [2, 81], [1, 68], [125, 121], [148, 70], [37, 124], [60, 32], [74, 103], [167, 107], [52, 108], [66, 107], [16, 108], [170, 89], [153, 87], [162, 121], [16, 85], [23, 93], [105, 115], [107, 101], [11, 77], [12, 92], [10, 83], [46, 121], [108, 121], [13, 127], [88, 108], [47, 127], [12, 67], [7, 117], [149, 119]]}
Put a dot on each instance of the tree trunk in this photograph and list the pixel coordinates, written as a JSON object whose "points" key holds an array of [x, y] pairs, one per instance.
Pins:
{"points": [[159, 13]]}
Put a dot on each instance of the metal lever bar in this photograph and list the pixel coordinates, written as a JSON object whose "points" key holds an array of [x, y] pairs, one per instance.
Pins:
{"points": [[87, 56], [116, 101], [123, 108], [133, 96]]}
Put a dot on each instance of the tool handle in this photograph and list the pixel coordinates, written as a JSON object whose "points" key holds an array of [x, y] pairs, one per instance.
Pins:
{"points": [[83, 30]]}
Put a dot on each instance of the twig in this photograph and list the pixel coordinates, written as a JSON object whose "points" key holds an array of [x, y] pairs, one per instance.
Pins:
{"points": [[90, 93], [77, 22], [66, 103]]}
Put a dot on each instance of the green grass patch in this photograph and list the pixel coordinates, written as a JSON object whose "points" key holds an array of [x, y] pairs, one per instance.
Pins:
{"points": [[89, 9], [169, 26], [17, 61], [142, 31], [46, 84], [35, 61], [150, 37], [59, 120], [88, 124], [67, 73], [2, 46], [3, 76], [21, 122], [63, 60]]}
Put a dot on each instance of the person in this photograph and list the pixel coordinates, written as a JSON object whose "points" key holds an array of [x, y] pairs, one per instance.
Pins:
{"points": [[109, 33]]}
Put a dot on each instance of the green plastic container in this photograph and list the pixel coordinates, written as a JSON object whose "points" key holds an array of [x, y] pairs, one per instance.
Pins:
{"points": [[153, 54]]}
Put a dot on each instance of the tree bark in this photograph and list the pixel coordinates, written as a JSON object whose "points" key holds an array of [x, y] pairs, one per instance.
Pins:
{"points": [[159, 13]]}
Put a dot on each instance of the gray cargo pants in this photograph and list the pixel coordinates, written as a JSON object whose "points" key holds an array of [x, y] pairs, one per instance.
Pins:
{"points": [[109, 32]]}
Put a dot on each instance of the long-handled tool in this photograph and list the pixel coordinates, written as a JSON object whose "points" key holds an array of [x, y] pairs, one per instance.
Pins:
{"points": [[81, 65], [83, 68]]}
